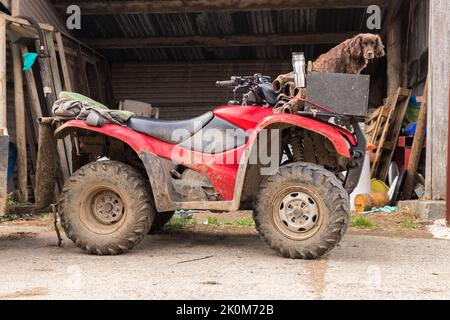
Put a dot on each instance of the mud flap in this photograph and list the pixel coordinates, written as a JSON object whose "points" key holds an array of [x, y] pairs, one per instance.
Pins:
{"points": [[47, 165], [359, 152], [4, 151]]}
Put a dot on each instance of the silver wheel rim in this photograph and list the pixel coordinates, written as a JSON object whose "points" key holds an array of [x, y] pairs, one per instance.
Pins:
{"points": [[299, 212], [107, 207]]}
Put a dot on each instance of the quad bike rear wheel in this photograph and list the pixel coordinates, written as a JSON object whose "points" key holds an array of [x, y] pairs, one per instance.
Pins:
{"points": [[106, 208], [302, 212]]}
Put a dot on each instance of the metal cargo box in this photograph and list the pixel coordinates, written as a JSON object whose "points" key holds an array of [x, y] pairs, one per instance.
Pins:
{"points": [[344, 93]]}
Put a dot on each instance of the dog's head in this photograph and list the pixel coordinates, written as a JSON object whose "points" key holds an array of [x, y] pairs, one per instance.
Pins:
{"points": [[368, 46]]}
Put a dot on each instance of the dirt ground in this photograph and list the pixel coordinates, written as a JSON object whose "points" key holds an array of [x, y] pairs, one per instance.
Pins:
{"points": [[394, 258], [386, 224]]}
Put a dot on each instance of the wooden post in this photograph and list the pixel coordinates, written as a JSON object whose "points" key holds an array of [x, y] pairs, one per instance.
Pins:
{"points": [[417, 146], [394, 56], [53, 63], [47, 83], [4, 147], [36, 109], [64, 146], [99, 84], [4, 139], [19, 108], [3, 74], [19, 102], [50, 98], [83, 72], [437, 124], [65, 68]]}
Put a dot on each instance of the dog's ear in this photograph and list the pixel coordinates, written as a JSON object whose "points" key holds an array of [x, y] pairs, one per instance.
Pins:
{"points": [[379, 50], [355, 46]]}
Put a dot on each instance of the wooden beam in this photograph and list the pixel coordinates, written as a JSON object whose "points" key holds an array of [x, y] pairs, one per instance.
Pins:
{"points": [[21, 142], [2, 74], [50, 98], [394, 56], [36, 109], [20, 21], [224, 41], [83, 73], [4, 139], [438, 108], [64, 66], [416, 150], [182, 6], [53, 63], [99, 84], [6, 3], [95, 52], [4, 151], [64, 146], [392, 12]]}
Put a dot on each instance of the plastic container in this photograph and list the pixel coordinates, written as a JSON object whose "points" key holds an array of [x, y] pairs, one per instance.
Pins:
{"points": [[363, 184], [365, 202]]}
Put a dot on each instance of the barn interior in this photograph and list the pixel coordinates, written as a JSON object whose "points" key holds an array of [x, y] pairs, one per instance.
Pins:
{"points": [[170, 53]]}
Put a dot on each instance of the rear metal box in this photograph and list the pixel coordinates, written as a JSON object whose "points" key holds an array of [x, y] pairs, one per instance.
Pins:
{"points": [[344, 93]]}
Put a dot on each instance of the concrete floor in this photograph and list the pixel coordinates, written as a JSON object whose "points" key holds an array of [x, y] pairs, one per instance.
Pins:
{"points": [[235, 266]]}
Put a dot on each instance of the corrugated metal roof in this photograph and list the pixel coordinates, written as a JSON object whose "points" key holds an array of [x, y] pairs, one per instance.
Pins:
{"points": [[219, 23], [223, 23]]}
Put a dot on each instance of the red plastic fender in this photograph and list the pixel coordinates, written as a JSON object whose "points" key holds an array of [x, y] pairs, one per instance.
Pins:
{"points": [[215, 167], [258, 118]]}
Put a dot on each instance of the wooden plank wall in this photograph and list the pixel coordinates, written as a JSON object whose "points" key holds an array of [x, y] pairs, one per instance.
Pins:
{"points": [[438, 99], [418, 42], [183, 90], [43, 11]]}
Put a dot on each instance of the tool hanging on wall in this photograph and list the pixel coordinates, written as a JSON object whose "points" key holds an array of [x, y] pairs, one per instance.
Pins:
{"points": [[42, 51], [19, 36]]}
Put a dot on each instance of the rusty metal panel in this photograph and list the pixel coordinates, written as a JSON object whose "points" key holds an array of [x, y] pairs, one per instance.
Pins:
{"points": [[344, 93], [4, 151]]}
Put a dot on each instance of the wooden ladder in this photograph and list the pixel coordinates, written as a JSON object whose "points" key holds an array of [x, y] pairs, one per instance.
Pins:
{"points": [[397, 106]]}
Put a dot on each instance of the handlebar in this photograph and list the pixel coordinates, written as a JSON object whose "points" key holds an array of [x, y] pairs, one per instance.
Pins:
{"points": [[243, 81], [226, 84]]}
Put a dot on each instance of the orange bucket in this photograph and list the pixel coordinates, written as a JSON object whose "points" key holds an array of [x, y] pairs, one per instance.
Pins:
{"points": [[365, 202]]}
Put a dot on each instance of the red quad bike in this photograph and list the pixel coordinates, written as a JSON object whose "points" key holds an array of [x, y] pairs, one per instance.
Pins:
{"points": [[131, 178]]}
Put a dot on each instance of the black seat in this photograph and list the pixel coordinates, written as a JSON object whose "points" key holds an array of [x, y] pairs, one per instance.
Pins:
{"points": [[165, 130]]}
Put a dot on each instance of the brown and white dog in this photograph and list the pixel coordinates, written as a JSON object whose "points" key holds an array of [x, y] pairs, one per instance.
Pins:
{"points": [[351, 56]]}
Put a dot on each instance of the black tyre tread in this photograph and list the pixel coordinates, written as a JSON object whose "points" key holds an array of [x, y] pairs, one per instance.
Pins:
{"points": [[144, 212], [161, 219], [334, 196]]}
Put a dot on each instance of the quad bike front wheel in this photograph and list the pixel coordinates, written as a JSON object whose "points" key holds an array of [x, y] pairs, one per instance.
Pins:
{"points": [[105, 208], [303, 211]]}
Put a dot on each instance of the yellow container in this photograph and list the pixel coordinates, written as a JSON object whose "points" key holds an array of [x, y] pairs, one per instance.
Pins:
{"points": [[378, 186]]}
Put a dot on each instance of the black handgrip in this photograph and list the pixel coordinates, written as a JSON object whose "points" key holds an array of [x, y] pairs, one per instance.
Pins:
{"points": [[226, 84]]}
